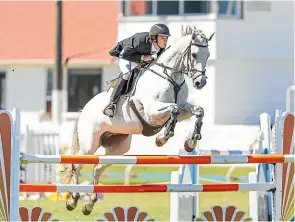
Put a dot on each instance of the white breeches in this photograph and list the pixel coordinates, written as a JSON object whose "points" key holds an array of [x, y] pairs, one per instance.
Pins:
{"points": [[125, 67]]}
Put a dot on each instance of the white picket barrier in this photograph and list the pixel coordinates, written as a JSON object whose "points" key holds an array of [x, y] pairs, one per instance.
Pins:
{"points": [[45, 143]]}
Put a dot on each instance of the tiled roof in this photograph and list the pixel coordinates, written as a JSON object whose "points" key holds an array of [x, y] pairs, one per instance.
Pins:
{"points": [[28, 29]]}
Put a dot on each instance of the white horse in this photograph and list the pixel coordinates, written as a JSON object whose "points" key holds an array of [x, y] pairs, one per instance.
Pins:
{"points": [[158, 103]]}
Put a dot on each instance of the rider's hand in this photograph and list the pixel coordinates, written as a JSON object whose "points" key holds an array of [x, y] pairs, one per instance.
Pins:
{"points": [[147, 58]]}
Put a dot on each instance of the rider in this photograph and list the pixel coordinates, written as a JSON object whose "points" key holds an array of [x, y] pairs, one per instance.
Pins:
{"points": [[138, 48]]}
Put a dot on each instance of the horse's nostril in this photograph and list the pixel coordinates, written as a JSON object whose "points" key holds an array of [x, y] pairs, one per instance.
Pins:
{"points": [[197, 83]]}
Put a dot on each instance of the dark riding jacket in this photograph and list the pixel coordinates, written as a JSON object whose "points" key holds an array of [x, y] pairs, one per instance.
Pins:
{"points": [[134, 47]]}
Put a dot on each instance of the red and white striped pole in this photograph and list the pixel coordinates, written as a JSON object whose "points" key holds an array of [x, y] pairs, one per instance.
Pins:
{"points": [[192, 159], [146, 188]]}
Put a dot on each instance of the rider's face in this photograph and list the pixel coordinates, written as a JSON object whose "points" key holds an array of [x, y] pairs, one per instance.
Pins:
{"points": [[162, 41]]}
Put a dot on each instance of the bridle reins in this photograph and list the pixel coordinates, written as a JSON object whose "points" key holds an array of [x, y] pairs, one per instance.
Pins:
{"points": [[189, 69]]}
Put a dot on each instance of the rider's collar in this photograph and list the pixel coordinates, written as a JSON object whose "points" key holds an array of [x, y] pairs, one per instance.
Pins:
{"points": [[154, 50]]}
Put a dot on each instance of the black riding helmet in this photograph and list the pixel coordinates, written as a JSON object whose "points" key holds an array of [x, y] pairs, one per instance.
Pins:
{"points": [[160, 29]]}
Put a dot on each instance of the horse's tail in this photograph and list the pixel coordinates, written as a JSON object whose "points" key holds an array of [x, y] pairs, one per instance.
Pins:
{"points": [[66, 171]]}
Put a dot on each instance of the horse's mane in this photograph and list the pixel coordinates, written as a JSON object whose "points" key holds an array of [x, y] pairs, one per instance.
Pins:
{"points": [[190, 29], [186, 31]]}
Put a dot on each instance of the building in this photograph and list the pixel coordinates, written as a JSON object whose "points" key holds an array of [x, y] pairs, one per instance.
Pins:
{"points": [[27, 58], [249, 70]]}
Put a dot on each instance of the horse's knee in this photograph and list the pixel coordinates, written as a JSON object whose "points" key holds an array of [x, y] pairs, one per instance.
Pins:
{"points": [[174, 110], [198, 111]]}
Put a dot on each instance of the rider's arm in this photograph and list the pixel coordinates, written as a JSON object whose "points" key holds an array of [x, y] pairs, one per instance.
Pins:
{"points": [[131, 51]]}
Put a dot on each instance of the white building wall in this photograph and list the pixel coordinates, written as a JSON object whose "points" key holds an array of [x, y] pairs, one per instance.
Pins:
{"points": [[254, 63], [246, 88], [26, 88]]}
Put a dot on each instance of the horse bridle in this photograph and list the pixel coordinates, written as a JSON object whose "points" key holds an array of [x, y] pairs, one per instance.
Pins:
{"points": [[189, 64], [202, 72]]}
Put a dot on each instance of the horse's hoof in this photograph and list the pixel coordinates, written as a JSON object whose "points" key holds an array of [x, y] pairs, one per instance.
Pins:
{"points": [[188, 148], [69, 207], [159, 142], [85, 211]]}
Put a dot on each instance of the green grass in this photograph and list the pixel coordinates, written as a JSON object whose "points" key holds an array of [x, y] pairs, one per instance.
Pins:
{"points": [[156, 204]]}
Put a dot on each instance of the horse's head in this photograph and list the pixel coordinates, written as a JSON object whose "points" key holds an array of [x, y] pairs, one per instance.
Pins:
{"points": [[196, 56]]}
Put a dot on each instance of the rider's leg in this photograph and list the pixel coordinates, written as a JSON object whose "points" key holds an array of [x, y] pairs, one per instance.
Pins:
{"points": [[117, 92], [126, 67]]}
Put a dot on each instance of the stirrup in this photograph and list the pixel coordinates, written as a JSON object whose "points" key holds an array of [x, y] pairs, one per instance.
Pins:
{"points": [[110, 110]]}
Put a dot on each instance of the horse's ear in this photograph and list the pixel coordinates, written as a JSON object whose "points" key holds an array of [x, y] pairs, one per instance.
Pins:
{"points": [[194, 36], [211, 36]]}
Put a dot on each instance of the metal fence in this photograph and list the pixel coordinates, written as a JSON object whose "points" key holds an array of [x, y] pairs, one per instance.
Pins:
{"points": [[46, 143]]}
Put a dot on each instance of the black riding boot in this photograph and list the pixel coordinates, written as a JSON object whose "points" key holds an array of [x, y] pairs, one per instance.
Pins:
{"points": [[117, 92]]}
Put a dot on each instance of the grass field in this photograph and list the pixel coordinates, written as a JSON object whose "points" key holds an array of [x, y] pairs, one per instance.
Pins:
{"points": [[156, 204]]}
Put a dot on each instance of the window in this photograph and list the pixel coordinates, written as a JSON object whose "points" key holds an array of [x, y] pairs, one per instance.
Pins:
{"points": [[230, 8], [167, 7], [83, 84], [49, 90], [201, 7], [2, 90], [137, 7], [164, 7]]}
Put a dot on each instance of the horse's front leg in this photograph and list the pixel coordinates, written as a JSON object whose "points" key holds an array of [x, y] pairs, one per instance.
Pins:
{"points": [[195, 133], [168, 114], [177, 114]]}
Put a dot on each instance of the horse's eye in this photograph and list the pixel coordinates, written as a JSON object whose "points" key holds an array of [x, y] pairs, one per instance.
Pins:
{"points": [[194, 55]]}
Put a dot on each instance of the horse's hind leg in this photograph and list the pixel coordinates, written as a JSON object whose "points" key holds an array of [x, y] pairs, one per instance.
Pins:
{"points": [[92, 140], [69, 173], [86, 143], [97, 171], [114, 145], [72, 203]]}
